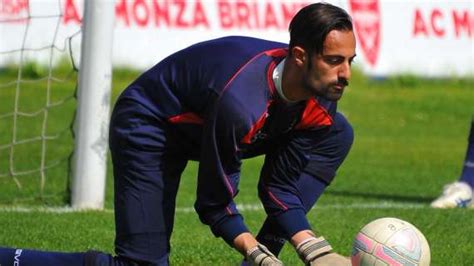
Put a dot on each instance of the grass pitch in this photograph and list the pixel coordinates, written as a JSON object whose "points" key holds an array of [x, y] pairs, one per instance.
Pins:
{"points": [[410, 140]]}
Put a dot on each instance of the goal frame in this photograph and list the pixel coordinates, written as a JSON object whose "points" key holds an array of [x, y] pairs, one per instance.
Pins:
{"points": [[89, 169]]}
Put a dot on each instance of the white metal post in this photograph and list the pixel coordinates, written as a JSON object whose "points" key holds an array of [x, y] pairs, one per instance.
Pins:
{"points": [[92, 119]]}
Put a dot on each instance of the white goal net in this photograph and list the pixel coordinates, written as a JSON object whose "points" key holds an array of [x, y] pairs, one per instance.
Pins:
{"points": [[39, 58]]}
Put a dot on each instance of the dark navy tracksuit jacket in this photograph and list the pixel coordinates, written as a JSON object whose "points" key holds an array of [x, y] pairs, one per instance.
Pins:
{"points": [[215, 102]]}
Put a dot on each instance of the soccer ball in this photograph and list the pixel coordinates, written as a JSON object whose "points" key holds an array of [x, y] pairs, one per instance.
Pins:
{"points": [[390, 241]]}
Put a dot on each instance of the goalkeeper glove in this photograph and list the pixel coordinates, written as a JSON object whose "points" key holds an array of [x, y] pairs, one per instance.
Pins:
{"points": [[318, 252], [261, 256]]}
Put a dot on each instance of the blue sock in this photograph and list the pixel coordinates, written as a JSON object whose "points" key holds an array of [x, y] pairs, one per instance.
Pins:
{"points": [[25, 257], [468, 169]]}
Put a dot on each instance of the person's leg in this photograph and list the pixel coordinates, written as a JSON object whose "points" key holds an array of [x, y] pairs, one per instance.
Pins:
{"points": [[325, 159], [144, 213], [460, 193], [467, 175], [25, 257], [146, 176]]}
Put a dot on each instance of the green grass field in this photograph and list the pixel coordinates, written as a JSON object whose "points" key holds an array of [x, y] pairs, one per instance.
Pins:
{"points": [[410, 140]]}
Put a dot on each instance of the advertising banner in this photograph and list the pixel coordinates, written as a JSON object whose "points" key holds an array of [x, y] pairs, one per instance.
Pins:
{"points": [[421, 37]]}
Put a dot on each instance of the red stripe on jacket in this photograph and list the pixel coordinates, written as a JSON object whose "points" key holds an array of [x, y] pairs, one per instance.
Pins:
{"points": [[314, 115], [189, 117]]}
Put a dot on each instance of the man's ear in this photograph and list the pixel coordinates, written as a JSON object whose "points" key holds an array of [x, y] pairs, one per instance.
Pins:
{"points": [[299, 55]]}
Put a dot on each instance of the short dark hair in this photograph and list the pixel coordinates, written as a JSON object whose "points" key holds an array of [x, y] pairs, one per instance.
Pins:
{"points": [[310, 26]]}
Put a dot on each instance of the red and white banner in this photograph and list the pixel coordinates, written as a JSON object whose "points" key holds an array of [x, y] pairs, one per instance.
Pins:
{"points": [[428, 38], [366, 17]]}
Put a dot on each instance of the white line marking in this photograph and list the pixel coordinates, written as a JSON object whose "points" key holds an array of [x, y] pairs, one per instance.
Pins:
{"points": [[64, 209], [241, 207]]}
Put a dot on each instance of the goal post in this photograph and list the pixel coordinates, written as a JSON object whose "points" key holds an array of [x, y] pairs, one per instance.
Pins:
{"points": [[94, 96]]}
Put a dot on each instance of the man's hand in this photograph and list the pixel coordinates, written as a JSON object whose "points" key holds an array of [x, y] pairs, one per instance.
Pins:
{"points": [[261, 256]]}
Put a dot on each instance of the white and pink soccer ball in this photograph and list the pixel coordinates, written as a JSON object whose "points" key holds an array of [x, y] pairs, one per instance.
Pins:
{"points": [[390, 241]]}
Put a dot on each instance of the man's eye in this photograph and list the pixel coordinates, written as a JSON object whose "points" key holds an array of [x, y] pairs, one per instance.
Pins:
{"points": [[333, 60]]}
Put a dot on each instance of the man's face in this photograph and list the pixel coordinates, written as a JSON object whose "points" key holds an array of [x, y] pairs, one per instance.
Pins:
{"points": [[328, 73]]}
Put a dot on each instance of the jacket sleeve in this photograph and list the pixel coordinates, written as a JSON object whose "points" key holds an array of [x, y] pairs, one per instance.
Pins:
{"points": [[219, 168]]}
